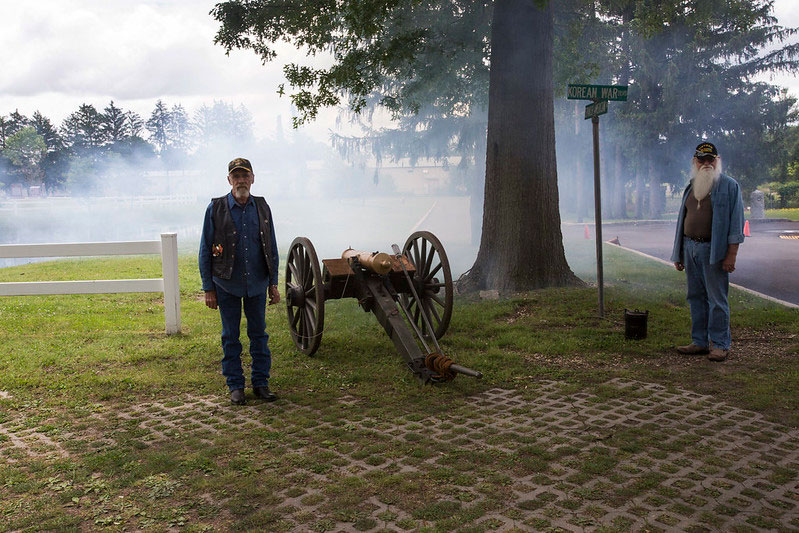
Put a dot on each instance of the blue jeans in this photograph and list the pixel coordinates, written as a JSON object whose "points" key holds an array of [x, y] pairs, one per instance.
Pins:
{"points": [[254, 310], [708, 286]]}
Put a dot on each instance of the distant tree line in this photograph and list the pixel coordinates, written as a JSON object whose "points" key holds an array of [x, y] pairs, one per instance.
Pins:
{"points": [[33, 151]]}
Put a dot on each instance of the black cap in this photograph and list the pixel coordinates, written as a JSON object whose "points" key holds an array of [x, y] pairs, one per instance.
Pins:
{"points": [[706, 149], [239, 162]]}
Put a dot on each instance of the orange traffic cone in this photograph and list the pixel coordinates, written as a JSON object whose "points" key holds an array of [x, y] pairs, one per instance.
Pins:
{"points": [[587, 235], [746, 229]]}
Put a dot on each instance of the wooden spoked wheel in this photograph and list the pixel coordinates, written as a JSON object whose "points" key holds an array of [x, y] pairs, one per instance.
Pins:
{"points": [[305, 296], [432, 280]]}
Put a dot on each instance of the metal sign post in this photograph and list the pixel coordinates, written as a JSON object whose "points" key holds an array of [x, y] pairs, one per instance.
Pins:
{"points": [[598, 215], [600, 94]]}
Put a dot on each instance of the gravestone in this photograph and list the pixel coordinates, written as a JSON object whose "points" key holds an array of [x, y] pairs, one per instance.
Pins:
{"points": [[758, 204]]}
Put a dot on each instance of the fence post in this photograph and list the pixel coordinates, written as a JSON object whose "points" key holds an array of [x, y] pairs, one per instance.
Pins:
{"points": [[169, 263]]}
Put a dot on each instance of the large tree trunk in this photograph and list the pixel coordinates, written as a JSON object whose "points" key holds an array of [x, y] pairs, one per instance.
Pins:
{"points": [[476, 196], [521, 246]]}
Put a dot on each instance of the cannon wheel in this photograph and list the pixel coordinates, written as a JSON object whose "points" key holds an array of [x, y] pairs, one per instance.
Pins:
{"points": [[427, 254], [305, 296]]}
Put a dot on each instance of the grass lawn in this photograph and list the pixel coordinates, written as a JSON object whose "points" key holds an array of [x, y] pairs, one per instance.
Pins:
{"points": [[790, 214], [107, 423]]}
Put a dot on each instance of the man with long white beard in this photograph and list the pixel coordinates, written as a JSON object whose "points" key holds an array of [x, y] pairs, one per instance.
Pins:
{"points": [[238, 264], [709, 230]]}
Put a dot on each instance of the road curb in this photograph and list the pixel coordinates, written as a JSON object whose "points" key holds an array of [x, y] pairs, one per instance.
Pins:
{"points": [[739, 287]]}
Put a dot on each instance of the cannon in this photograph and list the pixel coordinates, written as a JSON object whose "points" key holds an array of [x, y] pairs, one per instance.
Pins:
{"points": [[410, 292]]}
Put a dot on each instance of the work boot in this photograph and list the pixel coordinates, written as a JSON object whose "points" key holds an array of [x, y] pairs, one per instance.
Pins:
{"points": [[264, 393], [237, 397], [718, 355], [692, 349]]}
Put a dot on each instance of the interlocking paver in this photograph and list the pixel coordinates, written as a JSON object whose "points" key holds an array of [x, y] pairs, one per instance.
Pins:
{"points": [[632, 456]]}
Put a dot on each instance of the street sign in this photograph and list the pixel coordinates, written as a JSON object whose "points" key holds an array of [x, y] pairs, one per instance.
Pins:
{"points": [[597, 92], [596, 109], [600, 94]]}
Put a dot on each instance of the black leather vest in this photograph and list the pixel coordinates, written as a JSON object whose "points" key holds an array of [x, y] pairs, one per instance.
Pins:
{"points": [[225, 233]]}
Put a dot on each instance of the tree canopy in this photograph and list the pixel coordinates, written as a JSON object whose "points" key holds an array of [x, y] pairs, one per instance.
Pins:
{"points": [[690, 67], [430, 59], [25, 149]]}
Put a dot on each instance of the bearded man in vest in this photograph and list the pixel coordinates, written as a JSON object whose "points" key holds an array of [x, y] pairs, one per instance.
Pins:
{"points": [[709, 230], [238, 266]]}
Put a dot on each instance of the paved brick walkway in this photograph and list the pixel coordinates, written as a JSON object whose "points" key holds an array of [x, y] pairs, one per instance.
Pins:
{"points": [[628, 456]]}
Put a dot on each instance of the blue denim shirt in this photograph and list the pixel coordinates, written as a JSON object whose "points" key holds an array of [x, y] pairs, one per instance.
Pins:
{"points": [[728, 220], [250, 275]]}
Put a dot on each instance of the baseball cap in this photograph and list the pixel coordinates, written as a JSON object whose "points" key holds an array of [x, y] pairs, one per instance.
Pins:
{"points": [[706, 149], [239, 162]]}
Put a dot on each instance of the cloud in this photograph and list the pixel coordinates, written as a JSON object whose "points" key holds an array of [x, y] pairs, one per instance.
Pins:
{"points": [[142, 50], [61, 53]]}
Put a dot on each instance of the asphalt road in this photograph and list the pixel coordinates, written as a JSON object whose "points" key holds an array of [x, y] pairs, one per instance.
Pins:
{"points": [[768, 262]]}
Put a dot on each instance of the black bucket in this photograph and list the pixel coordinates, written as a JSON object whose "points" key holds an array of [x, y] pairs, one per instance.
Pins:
{"points": [[635, 324]]}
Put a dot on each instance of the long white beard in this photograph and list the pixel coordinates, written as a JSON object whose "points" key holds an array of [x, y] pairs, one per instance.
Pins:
{"points": [[703, 180]]}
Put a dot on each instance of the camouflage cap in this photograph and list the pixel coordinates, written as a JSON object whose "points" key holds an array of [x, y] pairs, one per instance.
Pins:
{"points": [[706, 149], [239, 162]]}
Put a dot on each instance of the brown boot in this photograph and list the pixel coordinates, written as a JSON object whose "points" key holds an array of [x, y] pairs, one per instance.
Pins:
{"points": [[718, 355], [692, 349]]}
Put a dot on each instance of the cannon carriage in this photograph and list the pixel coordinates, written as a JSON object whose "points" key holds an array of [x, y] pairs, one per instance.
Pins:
{"points": [[410, 293]]}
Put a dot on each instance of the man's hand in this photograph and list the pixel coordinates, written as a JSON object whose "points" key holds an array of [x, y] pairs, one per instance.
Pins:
{"points": [[728, 264], [679, 266], [274, 295], [210, 299]]}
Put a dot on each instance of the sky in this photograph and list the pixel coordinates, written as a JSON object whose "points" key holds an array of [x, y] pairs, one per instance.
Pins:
{"points": [[58, 54]]}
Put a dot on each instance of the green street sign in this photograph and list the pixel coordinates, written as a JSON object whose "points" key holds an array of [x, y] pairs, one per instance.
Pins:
{"points": [[597, 92], [596, 109]]}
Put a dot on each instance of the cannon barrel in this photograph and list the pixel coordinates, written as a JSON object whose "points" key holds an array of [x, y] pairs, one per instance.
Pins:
{"points": [[377, 262]]}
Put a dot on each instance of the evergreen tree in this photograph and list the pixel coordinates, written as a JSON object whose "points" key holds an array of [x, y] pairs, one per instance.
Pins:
{"points": [[10, 125], [158, 125], [82, 129], [179, 129], [222, 122], [4, 131], [134, 124], [115, 127], [17, 121], [56, 160], [690, 68]]}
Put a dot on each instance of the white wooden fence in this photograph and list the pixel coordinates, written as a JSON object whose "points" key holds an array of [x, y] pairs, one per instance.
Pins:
{"points": [[167, 247]]}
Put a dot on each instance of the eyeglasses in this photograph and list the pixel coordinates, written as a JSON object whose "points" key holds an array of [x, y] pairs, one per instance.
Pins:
{"points": [[706, 158]]}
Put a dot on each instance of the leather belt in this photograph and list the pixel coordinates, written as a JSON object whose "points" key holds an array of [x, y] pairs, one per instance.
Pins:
{"points": [[697, 239]]}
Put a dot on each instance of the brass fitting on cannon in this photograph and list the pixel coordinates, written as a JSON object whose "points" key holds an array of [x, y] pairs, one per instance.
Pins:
{"points": [[445, 368], [377, 262]]}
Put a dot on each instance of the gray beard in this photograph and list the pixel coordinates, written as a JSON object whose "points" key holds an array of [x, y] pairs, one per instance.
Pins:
{"points": [[241, 193], [703, 180]]}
